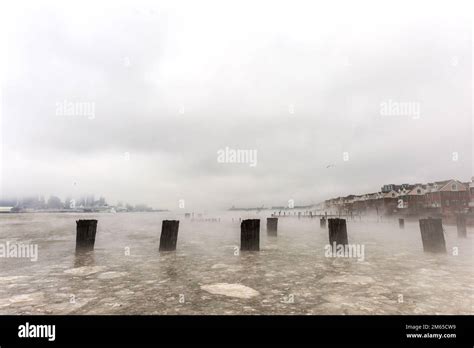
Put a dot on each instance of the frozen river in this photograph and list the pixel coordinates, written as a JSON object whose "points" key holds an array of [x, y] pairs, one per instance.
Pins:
{"points": [[126, 274]]}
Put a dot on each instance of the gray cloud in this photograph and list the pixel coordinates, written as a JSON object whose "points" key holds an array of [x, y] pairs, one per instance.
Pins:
{"points": [[172, 84]]}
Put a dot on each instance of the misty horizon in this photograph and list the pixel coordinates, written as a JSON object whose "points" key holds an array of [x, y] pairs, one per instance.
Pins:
{"points": [[255, 205]]}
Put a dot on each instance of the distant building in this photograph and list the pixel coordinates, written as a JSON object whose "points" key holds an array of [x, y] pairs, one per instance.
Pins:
{"points": [[5, 209], [390, 202], [416, 199], [471, 195], [388, 188], [447, 197], [396, 188]]}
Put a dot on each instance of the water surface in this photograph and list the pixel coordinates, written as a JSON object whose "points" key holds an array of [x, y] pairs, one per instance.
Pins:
{"points": [[126, 274]]}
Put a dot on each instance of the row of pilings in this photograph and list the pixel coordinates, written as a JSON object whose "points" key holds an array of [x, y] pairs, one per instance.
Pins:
{"points": [[431, 229]]}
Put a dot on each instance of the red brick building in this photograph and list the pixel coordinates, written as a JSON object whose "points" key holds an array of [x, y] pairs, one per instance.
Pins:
{"points": [[448, 197]]}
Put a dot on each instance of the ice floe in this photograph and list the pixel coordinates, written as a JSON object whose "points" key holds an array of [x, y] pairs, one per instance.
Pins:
{"points": [[85, 270], [231, 290]]}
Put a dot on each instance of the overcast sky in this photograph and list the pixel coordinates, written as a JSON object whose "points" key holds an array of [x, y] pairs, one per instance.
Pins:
{"points": [[172, 83]]}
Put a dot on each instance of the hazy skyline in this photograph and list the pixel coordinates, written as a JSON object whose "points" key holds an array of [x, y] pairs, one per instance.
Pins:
{"points": [[133, 100]]}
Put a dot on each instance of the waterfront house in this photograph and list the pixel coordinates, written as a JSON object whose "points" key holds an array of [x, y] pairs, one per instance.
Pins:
{"points": [[447, 197]]}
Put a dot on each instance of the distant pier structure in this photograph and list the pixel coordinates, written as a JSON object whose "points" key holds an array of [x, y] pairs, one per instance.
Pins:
{"points": [[250, 235], [432, 235], [461, 225], [337, 231], [401, 223], [85, 234], [169, 235], [272, 226]]}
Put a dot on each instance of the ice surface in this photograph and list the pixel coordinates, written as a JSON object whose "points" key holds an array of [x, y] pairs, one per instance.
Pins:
{"points": [[232, 290], [125, 274]]}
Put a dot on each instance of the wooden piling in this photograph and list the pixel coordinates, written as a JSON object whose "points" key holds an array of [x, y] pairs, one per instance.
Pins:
{"points": [[337, 231], [169, 235], [401, 223], [250, 235], [85, 234], [461, 225], [432, 235], [322, 222], [272, 226]]}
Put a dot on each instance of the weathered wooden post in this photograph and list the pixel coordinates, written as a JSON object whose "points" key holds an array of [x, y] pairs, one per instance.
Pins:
{"points": [[461, 225], [85, 234], [169, 235], [272, 226], [401, 223], [337, 231], [250, 235], [322, 222], [432, 235]]}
